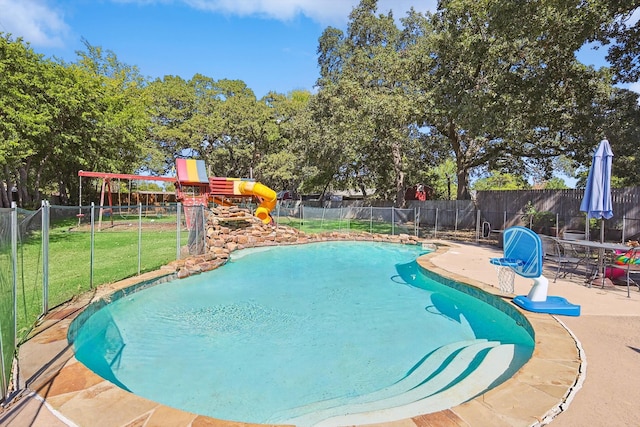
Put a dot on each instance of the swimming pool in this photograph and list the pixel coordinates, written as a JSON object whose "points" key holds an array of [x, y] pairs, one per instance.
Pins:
{"points": [[305, 334]]}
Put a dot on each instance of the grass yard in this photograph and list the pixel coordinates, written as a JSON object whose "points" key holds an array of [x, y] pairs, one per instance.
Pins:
{"points": [[116, 258], [116, 254], [344, 225]]}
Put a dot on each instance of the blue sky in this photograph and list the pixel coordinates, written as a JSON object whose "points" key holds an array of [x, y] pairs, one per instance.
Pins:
{"points": [[268, 44]]}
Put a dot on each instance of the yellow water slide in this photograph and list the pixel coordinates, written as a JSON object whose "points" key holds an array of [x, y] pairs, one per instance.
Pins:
{"points": [[268, 198]]}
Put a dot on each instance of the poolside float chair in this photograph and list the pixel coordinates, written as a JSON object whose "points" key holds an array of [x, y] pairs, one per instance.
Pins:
{"points": [[623, 265], [524, 254]]}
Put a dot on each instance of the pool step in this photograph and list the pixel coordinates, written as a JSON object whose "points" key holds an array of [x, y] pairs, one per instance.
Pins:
{"points": [[421, 371], [447, 377], [492, 367]]}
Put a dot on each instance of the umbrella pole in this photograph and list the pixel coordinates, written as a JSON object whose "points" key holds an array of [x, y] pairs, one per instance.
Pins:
{"points": [[586, 227], [602, 252]]}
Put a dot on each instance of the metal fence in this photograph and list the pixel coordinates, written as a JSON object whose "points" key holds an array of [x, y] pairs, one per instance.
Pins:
{"points": [[50, 255], [458, 222], [358, 219], [8, 270]]}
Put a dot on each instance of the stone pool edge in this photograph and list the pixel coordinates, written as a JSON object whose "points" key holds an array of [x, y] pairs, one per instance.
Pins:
{"points": [[533, 396], [543, 387]]}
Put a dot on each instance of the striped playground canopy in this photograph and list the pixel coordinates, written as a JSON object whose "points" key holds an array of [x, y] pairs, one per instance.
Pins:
{"points": [[191, 171]]}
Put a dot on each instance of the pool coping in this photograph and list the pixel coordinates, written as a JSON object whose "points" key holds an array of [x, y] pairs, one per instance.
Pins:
{"points": [[533, 396]]}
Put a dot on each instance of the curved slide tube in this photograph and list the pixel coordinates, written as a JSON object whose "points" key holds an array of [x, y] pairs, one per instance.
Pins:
{"points": [[268, 198]]}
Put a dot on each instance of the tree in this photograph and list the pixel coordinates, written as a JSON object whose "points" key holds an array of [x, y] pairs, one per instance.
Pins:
{"points": [[614, 115], [246, 134], [624, 133], [621, 32], [23, 115], [445, 179], [172, 104], [58, 118], [99, 119], [220, 122], [555, 183], [285, 163], [332, 152], [501, 181], [362, 102], [500, 93]]}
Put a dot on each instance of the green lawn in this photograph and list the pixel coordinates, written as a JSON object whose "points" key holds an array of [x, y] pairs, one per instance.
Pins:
{"points": [[116, 258], [116, 255], [343, 225]]}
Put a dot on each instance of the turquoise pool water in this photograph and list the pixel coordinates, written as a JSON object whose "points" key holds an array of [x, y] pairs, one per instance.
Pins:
{"points": [[300, 334]]}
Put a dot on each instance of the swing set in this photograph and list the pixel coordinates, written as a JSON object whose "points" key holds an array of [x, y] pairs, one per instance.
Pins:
{"points": [[193, 188]]}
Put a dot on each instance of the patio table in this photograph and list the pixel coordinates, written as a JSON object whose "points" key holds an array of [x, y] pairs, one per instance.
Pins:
{"points": [[602, 248]]}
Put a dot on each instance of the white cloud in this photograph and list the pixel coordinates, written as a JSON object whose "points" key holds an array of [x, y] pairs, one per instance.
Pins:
{"points": [[332, 12], [41, 22], [34, 20]]}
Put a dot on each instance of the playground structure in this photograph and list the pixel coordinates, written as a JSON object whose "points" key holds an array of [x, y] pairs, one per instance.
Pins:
{"points": [[195, 188]]}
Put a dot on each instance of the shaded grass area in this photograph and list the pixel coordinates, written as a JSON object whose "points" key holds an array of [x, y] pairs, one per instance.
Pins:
{"points": [[117, 255]]}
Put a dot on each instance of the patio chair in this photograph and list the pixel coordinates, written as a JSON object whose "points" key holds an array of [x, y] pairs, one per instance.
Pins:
{"points": [[588, 257], [556, 253]]}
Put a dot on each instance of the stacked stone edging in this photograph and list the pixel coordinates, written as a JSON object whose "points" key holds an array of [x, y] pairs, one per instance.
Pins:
{"points": [[230, 228]]}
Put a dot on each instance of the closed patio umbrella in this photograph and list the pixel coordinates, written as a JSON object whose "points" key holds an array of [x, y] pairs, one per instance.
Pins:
{"points": [[597, 194]]}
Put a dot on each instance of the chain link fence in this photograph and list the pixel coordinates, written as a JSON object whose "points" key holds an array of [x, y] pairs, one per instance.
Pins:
{"points": [[50, 255]]}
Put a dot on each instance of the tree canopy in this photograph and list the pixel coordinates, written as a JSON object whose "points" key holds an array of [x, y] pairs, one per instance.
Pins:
{"points": [[56, 119], [433, 98]]}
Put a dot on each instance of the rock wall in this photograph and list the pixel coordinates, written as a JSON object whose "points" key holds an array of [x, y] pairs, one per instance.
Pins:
{"points": [[230, 228]]}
